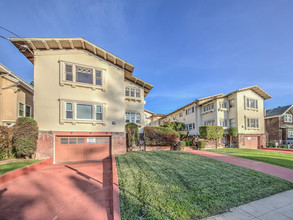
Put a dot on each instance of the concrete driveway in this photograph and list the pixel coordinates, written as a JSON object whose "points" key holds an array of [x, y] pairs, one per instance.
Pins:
{"points": [[63, 191]]}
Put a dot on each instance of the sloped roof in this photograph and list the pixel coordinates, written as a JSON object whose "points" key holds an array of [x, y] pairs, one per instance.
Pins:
{"points": [[15, 78], [256, 89], [275, 112], [27, 46]]}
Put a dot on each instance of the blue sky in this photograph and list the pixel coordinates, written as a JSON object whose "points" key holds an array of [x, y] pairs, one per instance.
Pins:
{"points": [[186, 49]]}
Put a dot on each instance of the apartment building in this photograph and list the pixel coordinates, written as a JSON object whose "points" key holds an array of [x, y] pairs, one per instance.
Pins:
{"points": [[152, 119], [243, 108]]}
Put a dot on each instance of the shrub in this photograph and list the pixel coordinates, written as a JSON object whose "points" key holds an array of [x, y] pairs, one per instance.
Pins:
{"points": [[181, 145], [189, 142], [132, 135], [232, 132], [211, 132], [271, 144], [25, 136], [160, 136], [201, 144], [183, 134], [6, 142], [177, 126]]}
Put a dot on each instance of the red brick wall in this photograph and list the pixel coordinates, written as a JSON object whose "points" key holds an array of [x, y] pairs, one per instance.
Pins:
{"points": [[273, 131], [212, 143], [45, 145], [118, 142]]}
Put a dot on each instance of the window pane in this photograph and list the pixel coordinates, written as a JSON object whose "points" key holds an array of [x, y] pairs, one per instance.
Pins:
{"points": [[27, 111], [64, 140], [138, 93], [72, 140], [132, 92], [98, 108], [20, 107], [99, 116], [80, 140], [84, 111], [68, 106], [84, 75], [127, 91], [98, 74], [68, 72], [98, 81], [69, 115]]}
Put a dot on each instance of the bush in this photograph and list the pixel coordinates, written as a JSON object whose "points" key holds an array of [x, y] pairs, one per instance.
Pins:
{"points": [[25, 137], [201, 144], [177, 126], [183, 134], [6, 142], [211, 132], [180, 146], [189, 142], [160, 136], [132, 135], [271, 144]]}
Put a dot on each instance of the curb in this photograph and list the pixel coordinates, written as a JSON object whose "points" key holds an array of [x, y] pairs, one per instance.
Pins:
{"points": [[276, 149], [25, 170], [115, 192]]}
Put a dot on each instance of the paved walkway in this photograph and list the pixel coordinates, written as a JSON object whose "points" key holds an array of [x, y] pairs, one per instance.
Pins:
{"points": [[281, 172], [276, 207], [62, 191]]}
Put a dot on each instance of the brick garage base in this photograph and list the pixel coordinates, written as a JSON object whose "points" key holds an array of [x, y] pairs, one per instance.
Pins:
{"points": [[240, 140], [45, 145], [118, 143]]}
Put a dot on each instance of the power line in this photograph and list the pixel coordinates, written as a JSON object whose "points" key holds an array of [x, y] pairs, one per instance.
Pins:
{"points": [[10, 32]]}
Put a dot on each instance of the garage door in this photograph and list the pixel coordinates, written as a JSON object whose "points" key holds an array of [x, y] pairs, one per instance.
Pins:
{"points": [[74, 149], [251, 142]]}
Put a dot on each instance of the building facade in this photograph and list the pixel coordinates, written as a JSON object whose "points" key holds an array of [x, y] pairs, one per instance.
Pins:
{"points": [[243, 108], [152, 119], [84, 96], [279, 125], [16, 97]]}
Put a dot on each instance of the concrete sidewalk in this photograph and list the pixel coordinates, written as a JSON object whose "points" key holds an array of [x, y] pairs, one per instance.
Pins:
{"points": [[276, 207], [281, 172]]}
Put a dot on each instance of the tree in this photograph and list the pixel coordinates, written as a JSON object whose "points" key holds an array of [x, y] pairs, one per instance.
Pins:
{"points": [[132, 135], [32, 83], [232, 132], [211, 132], [177, 126]]}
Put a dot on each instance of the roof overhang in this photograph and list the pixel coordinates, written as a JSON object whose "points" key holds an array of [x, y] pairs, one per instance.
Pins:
{"points": [[27, 46], [8, 74], [257, 90]]}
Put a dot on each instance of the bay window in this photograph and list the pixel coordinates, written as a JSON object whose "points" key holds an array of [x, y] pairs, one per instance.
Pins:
{"points": [[131, 117], [84, 75], [252, 123], [251, 103]]}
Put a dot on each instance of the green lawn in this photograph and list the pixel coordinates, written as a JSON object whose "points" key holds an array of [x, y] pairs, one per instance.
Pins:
{"points": [[15, 165], [280, 159], [180, 185]]}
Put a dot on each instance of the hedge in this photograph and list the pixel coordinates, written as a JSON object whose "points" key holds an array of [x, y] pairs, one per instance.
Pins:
{"points": [[201, 144], [160, 136], [211, 132], [6, 150], [25, 137]]}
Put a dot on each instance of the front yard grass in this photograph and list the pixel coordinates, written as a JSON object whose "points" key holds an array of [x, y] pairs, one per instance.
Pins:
{"points": [[180, 185], [276, 158], [15, 165]]}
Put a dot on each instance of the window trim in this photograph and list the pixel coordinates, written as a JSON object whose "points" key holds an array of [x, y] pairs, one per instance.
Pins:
{"points": [[23, 110], [74, 120], [30, 110], [288, 121], [135, 117], [248, 123], [74, 83], [248, 101]]}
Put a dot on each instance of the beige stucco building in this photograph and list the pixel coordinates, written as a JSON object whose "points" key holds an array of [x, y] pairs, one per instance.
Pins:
{"points": [[243, 108], [152, 119], [82, 93], [16, 97]]}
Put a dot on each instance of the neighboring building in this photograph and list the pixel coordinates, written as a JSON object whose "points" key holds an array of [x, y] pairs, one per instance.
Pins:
{"points": [[152, 119], [84, 96], [279, 124], [16, 97], [242, 108]]}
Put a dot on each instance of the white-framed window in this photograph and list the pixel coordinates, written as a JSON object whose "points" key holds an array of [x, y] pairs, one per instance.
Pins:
{"points": [[20, 109], [223, 123], [68, 73], [222, 104], [251, 103], [132, 92], [190, 126], [68, 110], [132, 117], [190, 110], [252, 123], [28, 111], [180, 114], [208, 107], [127, 91], [82, 75], [82, 111], [137, 93], [232, 122], [288, 118], [290, 133], [231, 103], [209, 122]]}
